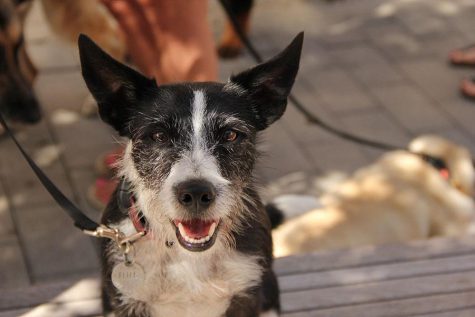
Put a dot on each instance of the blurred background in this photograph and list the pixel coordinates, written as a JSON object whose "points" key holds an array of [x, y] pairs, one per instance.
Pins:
{"points": [[375, 68]]}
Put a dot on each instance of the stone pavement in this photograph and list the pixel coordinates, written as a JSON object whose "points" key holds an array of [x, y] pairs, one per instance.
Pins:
{"points": [[375, 68]]}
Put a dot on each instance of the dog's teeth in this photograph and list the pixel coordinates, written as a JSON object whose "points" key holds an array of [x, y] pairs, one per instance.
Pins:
{"points": [[212, 229], [182, 230]]}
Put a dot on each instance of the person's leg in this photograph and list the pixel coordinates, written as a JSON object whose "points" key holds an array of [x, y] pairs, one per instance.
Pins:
{"points": [[183, 38], [168, 39], [138, 33], [230, 44]]}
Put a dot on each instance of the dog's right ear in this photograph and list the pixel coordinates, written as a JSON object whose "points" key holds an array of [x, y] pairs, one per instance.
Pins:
{"points": [[116, 87], [268, 84]]}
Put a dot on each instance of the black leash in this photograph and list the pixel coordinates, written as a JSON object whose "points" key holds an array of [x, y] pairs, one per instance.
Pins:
{"points": [[311, 118], [81, 221]]}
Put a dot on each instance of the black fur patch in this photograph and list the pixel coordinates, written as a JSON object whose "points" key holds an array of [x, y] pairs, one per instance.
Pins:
{"points": [[276, 215]]}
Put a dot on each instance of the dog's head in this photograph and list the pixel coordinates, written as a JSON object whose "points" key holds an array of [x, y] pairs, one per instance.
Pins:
{"points": [[192, 146], [449, 157], [17, 99]]}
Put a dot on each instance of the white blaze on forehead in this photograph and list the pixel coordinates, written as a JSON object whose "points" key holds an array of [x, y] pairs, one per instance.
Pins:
{"points": [[202, 162], [199, 152], [199, 162], [198, 115]]}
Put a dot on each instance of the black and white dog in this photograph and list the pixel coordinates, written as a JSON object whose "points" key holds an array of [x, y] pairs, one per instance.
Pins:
{"points": [[189, 162]]}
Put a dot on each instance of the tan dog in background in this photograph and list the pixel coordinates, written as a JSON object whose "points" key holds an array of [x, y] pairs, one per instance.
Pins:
{"points": [[403, 196], [69, 18]]}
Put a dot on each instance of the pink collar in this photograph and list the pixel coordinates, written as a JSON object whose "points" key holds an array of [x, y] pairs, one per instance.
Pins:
{"points": [[138, 219]]}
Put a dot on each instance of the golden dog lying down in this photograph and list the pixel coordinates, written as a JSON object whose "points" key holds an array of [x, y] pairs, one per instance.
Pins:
{"points": [[403, 196]]}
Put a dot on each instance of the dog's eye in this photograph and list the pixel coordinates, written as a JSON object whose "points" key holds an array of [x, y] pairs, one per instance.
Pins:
{"points": [[159, 137], [230, 136]]}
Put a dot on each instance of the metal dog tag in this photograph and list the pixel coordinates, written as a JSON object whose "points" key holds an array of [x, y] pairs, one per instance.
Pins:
{"points": [[127, 276]]}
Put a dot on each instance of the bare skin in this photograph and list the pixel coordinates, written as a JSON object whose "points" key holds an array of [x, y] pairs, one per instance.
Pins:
{"points": [[169, 40]]}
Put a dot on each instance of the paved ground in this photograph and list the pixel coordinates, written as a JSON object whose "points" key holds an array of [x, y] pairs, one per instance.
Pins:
{"points": [[376, 68]]}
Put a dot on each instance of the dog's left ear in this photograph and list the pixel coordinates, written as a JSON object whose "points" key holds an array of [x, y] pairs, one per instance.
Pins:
{"points": [[116, 87], [269, 83]]}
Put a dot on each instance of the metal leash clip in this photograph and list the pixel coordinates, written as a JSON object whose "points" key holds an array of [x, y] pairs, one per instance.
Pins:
{"points": [[105, 232], [122, 241], [127, 274]]}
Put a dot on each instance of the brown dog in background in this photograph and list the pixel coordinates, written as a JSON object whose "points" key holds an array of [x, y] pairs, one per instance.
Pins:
{"points": [[67, 19], [17, 99], [401, 197]]}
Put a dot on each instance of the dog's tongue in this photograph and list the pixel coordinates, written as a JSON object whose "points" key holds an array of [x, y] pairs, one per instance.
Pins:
{"points": [[444, 173], [197, 228]]}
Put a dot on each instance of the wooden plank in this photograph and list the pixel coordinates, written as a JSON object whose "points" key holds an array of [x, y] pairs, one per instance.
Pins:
{"points": [[396, 279], [378, 273], [286, 155], [13, 270], [55, 249], [57, 293], [469, 312], [399, 100], [451, 304], [378, 292], [375, 255], [7, 228], [82, 308], [14, 313]]}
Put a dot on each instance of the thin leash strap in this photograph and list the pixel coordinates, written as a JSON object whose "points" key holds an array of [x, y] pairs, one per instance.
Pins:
{"points": [[81, 221], [311, 118]]}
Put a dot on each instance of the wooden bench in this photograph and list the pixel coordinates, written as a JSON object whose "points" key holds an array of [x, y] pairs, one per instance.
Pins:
{"points": [[427, 278]]}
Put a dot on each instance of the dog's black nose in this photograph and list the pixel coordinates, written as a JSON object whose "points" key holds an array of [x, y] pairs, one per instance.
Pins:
{"points": [[195, 195]]}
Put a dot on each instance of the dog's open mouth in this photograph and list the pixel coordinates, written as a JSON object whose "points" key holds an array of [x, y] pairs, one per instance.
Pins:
{"points": [[196, 234]]}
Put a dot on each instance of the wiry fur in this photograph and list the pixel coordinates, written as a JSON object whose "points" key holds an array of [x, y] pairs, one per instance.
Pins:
{"points": [[399, 198], [234, 276]]}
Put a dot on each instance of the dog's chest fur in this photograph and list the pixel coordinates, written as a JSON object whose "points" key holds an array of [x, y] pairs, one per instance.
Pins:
{"points": [[182, 284]]}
